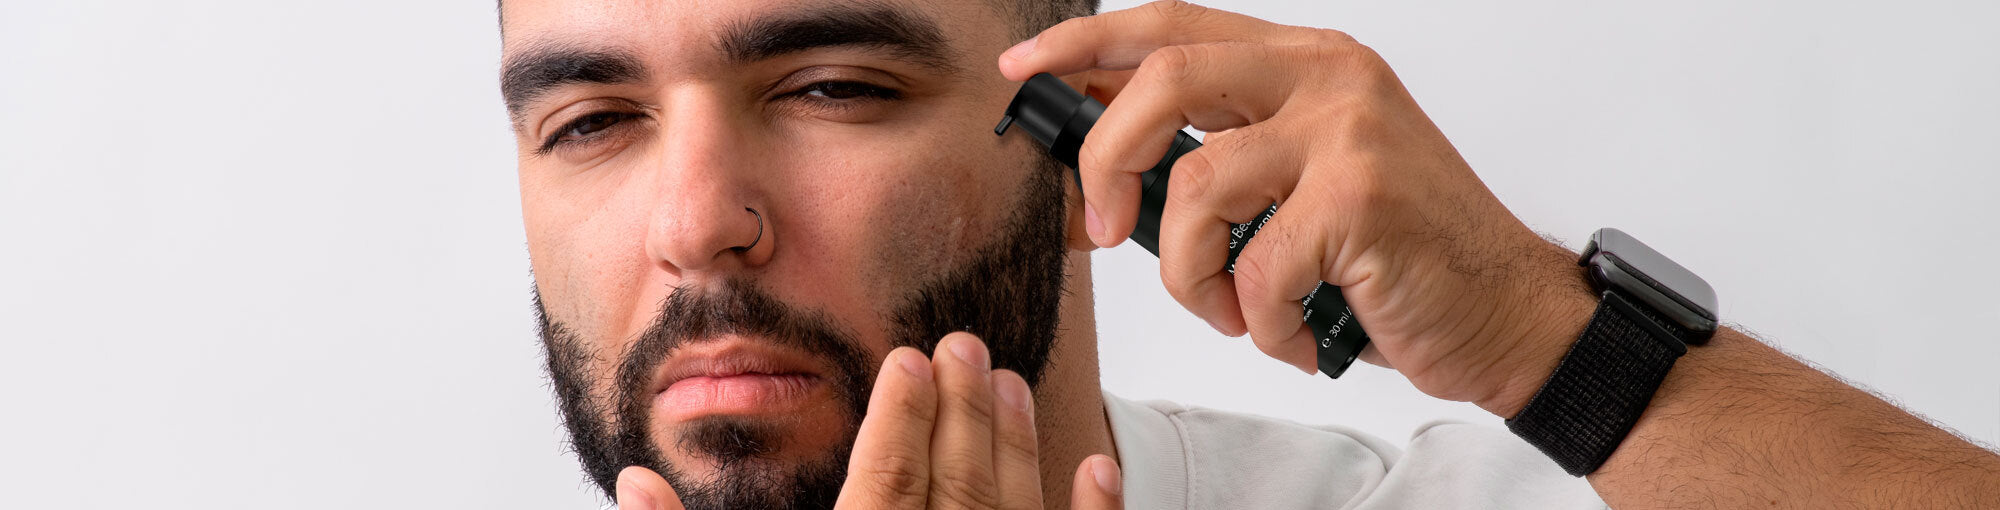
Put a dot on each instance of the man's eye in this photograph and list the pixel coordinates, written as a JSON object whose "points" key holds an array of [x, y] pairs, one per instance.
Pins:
{"points": [[591, 124], [584, 127], [847, 90]]}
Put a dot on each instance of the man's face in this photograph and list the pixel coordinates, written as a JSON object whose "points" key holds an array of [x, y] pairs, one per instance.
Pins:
{"points": [[736, 209]]}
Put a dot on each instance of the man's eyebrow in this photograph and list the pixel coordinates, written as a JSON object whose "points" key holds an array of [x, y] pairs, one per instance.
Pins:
{"points": [[909, 36], [540, 69]]}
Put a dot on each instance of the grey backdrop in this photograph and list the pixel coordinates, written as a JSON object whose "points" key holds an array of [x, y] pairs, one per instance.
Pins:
{"points": [[264, 254]]}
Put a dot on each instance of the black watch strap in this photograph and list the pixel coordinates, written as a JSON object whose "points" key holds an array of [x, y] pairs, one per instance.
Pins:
{"points": [[1601, 386]]}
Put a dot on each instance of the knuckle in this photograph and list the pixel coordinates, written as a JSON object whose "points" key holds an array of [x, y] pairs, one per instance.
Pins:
{"points": [[1328, 36], [1020, 447], [1177, 11], [1255, 278], [1252, 277], [1320, 38], [1253, 139], [896, 477], [1095, 159], [964, 492], [1360, 188], [1235, 139], [1271, 343], [1354, 127], [1365, 64], [912, 407], [964, 403], [1352, 117], [1168, 65], [1193, 178], [1180, 280]]}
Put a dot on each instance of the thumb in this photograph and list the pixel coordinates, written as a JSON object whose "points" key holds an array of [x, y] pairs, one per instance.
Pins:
{"points": [[642, 489], [1098, 485]]}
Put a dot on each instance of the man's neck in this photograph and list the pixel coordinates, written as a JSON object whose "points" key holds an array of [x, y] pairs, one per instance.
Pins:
{"points": [[1069, 401]]}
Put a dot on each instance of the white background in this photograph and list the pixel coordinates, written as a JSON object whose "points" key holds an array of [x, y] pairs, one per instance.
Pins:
{"points": [[268, 254]]}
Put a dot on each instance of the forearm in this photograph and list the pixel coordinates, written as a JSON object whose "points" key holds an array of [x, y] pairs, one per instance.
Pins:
{"points": [[1457, 294], [1738, 424]]}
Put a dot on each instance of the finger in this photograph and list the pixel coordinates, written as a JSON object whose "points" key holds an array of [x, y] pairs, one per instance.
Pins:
{"points": [[1015, 461], [1098, 485], [1300, 350], [1277, 269], [642, 489], [1104, 85], [1230, 181], [1121, 39], [1204, 86], [1372, 356], [890, 466], [962, 445]]}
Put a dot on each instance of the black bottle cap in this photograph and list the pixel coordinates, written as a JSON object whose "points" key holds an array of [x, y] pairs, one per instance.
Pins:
{"points": [[1054, 114]]}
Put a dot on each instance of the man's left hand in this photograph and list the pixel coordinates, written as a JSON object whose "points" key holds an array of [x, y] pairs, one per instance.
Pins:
{"points": [[949, 434]]}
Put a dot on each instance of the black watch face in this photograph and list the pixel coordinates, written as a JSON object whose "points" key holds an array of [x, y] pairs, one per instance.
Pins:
{"points": [[1654, 276]]}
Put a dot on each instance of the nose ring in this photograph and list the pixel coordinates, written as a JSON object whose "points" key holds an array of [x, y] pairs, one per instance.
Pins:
{"points": [[760, 232]]}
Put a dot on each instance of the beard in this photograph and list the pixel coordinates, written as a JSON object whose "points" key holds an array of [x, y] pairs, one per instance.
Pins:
{"points": [[1008, 294]]}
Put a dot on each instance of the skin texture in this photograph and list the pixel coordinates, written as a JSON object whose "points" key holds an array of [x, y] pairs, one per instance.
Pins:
{"points": [[1456, 293], [980, 456], [861, 202]]}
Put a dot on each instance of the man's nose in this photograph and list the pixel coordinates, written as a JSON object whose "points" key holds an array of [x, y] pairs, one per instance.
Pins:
{"points": [[712, 215]]}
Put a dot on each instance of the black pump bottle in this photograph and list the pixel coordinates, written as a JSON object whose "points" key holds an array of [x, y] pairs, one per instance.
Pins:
{"points": [[1058, 116]]}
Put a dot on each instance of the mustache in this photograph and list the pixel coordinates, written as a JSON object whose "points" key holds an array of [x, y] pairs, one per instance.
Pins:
{"points": [[733, 307], [1008, 293]]}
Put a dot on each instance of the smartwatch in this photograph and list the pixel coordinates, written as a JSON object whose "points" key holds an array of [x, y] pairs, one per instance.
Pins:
{"points": [[1650, 309]]}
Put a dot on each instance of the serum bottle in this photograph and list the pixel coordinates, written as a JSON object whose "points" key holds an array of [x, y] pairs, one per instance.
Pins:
{"points": [[1058, 116]]}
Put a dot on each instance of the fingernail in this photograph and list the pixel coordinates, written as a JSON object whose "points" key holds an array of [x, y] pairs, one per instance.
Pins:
{"points": [[1023, 49], [1015, 393], [1218, 327], [914, 363], [1093, 225], [972, 353], [1106, 473]]}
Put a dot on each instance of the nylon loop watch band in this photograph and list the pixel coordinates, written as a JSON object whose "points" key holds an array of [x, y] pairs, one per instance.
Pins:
{"points": [[1600, 387]]}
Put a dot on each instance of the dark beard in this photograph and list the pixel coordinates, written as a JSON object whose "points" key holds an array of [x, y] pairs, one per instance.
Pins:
{"points": [[1009, 295]]}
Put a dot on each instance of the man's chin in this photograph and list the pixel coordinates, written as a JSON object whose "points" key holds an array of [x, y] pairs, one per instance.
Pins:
{"points": [[756, 461], [724, 444]]}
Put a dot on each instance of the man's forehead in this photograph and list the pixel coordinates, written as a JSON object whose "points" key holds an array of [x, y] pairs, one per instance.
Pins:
{"points": [[687, 27], [554, 43]]}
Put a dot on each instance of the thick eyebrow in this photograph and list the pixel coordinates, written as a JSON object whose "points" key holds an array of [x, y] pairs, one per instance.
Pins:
{"points": [[908, 36], [540, 69]]}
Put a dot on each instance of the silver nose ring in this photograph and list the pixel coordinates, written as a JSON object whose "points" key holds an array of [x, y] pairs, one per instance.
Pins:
{"points": [[760, 232]]}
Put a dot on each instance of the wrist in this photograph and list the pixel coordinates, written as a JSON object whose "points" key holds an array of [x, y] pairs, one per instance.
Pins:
{"points": [[1549, 320]]}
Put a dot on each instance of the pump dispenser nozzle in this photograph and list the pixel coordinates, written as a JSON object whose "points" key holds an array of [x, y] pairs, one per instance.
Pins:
{"points": [[1058, 117]]}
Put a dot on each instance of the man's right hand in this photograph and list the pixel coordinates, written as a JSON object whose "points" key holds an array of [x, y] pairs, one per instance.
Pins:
{"points": [[950, 434], [1455, 292]]}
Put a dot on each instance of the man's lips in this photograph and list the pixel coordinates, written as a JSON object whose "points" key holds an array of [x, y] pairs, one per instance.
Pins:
{"points": [[733, 375]]}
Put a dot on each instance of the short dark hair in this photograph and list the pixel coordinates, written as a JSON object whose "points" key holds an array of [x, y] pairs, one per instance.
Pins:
{"points": [[1032, 16]]}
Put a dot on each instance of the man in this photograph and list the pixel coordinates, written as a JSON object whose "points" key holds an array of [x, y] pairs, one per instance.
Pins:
{"points": [[759, 229]]}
